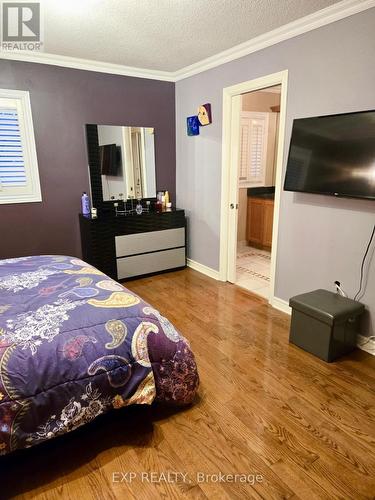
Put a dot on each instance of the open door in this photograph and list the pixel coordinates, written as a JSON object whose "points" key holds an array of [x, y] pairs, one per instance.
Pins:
{"points": [[233, 187]]}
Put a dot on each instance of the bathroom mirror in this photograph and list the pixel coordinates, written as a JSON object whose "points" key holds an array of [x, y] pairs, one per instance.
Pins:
{"points": [[123, 159]]}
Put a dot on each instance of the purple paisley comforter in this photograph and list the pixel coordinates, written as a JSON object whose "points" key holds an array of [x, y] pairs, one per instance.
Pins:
{"points": [[74, 344]]}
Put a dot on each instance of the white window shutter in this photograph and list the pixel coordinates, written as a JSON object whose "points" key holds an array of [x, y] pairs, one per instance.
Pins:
{"points": [[253, 148], [19, 176], [244, 152], [12, 163], [256, 149]]}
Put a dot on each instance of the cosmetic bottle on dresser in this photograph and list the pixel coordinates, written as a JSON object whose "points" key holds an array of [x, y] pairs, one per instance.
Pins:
{"points": [[85, 204]]}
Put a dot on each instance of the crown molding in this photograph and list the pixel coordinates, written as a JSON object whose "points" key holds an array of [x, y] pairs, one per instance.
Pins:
{"points": [[86, 64], [322, 17]]}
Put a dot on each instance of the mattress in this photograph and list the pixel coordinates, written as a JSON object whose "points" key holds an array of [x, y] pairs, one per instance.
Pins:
{"points": [[75, 344]]}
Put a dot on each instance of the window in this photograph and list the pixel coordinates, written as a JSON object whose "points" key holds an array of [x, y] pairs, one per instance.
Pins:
{"points": [[19, 177]]}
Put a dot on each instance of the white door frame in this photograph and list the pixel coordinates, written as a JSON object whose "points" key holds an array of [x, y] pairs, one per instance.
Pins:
{"points": [[229, 180]]}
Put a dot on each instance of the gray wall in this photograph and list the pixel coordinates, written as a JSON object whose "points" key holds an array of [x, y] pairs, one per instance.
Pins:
{"points": [[321, 239], [63, 100]]}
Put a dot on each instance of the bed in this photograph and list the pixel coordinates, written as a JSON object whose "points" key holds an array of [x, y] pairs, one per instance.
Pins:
{"points": [[75, 344]]}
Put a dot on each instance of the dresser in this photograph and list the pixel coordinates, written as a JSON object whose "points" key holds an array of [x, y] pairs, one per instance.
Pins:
{"points": [[130, 246]]}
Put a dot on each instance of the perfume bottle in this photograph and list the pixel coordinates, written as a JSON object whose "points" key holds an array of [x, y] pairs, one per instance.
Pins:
{"points": [[159, 201], [166, 199], [138, 207]]}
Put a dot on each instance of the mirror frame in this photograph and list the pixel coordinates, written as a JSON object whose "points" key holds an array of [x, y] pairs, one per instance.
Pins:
{"points": [[95, 178]]}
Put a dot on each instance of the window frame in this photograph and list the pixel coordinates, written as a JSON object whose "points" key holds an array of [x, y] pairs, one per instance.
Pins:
{"points": [[31, 193]]}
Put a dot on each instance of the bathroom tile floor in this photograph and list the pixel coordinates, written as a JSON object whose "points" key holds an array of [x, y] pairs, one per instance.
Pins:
{"points": [[253, 270]]}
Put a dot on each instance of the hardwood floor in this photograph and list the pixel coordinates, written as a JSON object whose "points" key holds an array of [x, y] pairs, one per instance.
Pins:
{"points": [[265, 408]]}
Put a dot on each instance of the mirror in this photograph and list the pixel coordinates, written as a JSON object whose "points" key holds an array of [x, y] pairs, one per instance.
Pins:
{"points": [[126, 162]]}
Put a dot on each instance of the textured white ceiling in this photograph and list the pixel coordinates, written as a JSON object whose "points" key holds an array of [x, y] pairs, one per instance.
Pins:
{"points": [[162, 34]]}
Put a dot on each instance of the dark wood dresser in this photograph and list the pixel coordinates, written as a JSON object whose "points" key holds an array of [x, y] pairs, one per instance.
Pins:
{"points": [[131, 246]]}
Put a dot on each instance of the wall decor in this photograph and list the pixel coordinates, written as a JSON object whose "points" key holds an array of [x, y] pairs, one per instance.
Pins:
{"points": [[192, 125], [204, 114]]}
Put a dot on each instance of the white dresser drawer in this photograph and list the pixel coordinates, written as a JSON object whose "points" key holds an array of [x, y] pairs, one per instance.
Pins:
{"points": [[137, 265], [133, 244]]}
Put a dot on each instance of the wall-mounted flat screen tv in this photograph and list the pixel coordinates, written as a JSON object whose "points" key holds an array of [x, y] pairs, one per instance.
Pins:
{"points": [[333, 155], [110, 159]]}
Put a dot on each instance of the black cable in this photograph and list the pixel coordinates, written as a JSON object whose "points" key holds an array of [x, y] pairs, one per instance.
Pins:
{"points": [[363, 262]]}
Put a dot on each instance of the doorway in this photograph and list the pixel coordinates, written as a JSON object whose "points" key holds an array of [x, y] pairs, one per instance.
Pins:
{"points": [[253, 141], [259, 128]]}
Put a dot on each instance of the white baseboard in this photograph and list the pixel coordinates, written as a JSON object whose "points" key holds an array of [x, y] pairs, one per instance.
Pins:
{"points": [[368, 347], [281, 305], [201, 268]]}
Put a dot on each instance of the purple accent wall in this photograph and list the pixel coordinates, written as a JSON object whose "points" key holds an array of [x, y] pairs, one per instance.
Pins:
{"points": [[63, 100]]}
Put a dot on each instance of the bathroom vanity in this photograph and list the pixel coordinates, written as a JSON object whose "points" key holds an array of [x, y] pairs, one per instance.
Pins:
{"points": [[260, 207]]}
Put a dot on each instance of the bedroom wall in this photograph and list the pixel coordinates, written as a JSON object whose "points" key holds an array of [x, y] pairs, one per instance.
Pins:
{"points": [[63, 100], [321, 239]]}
